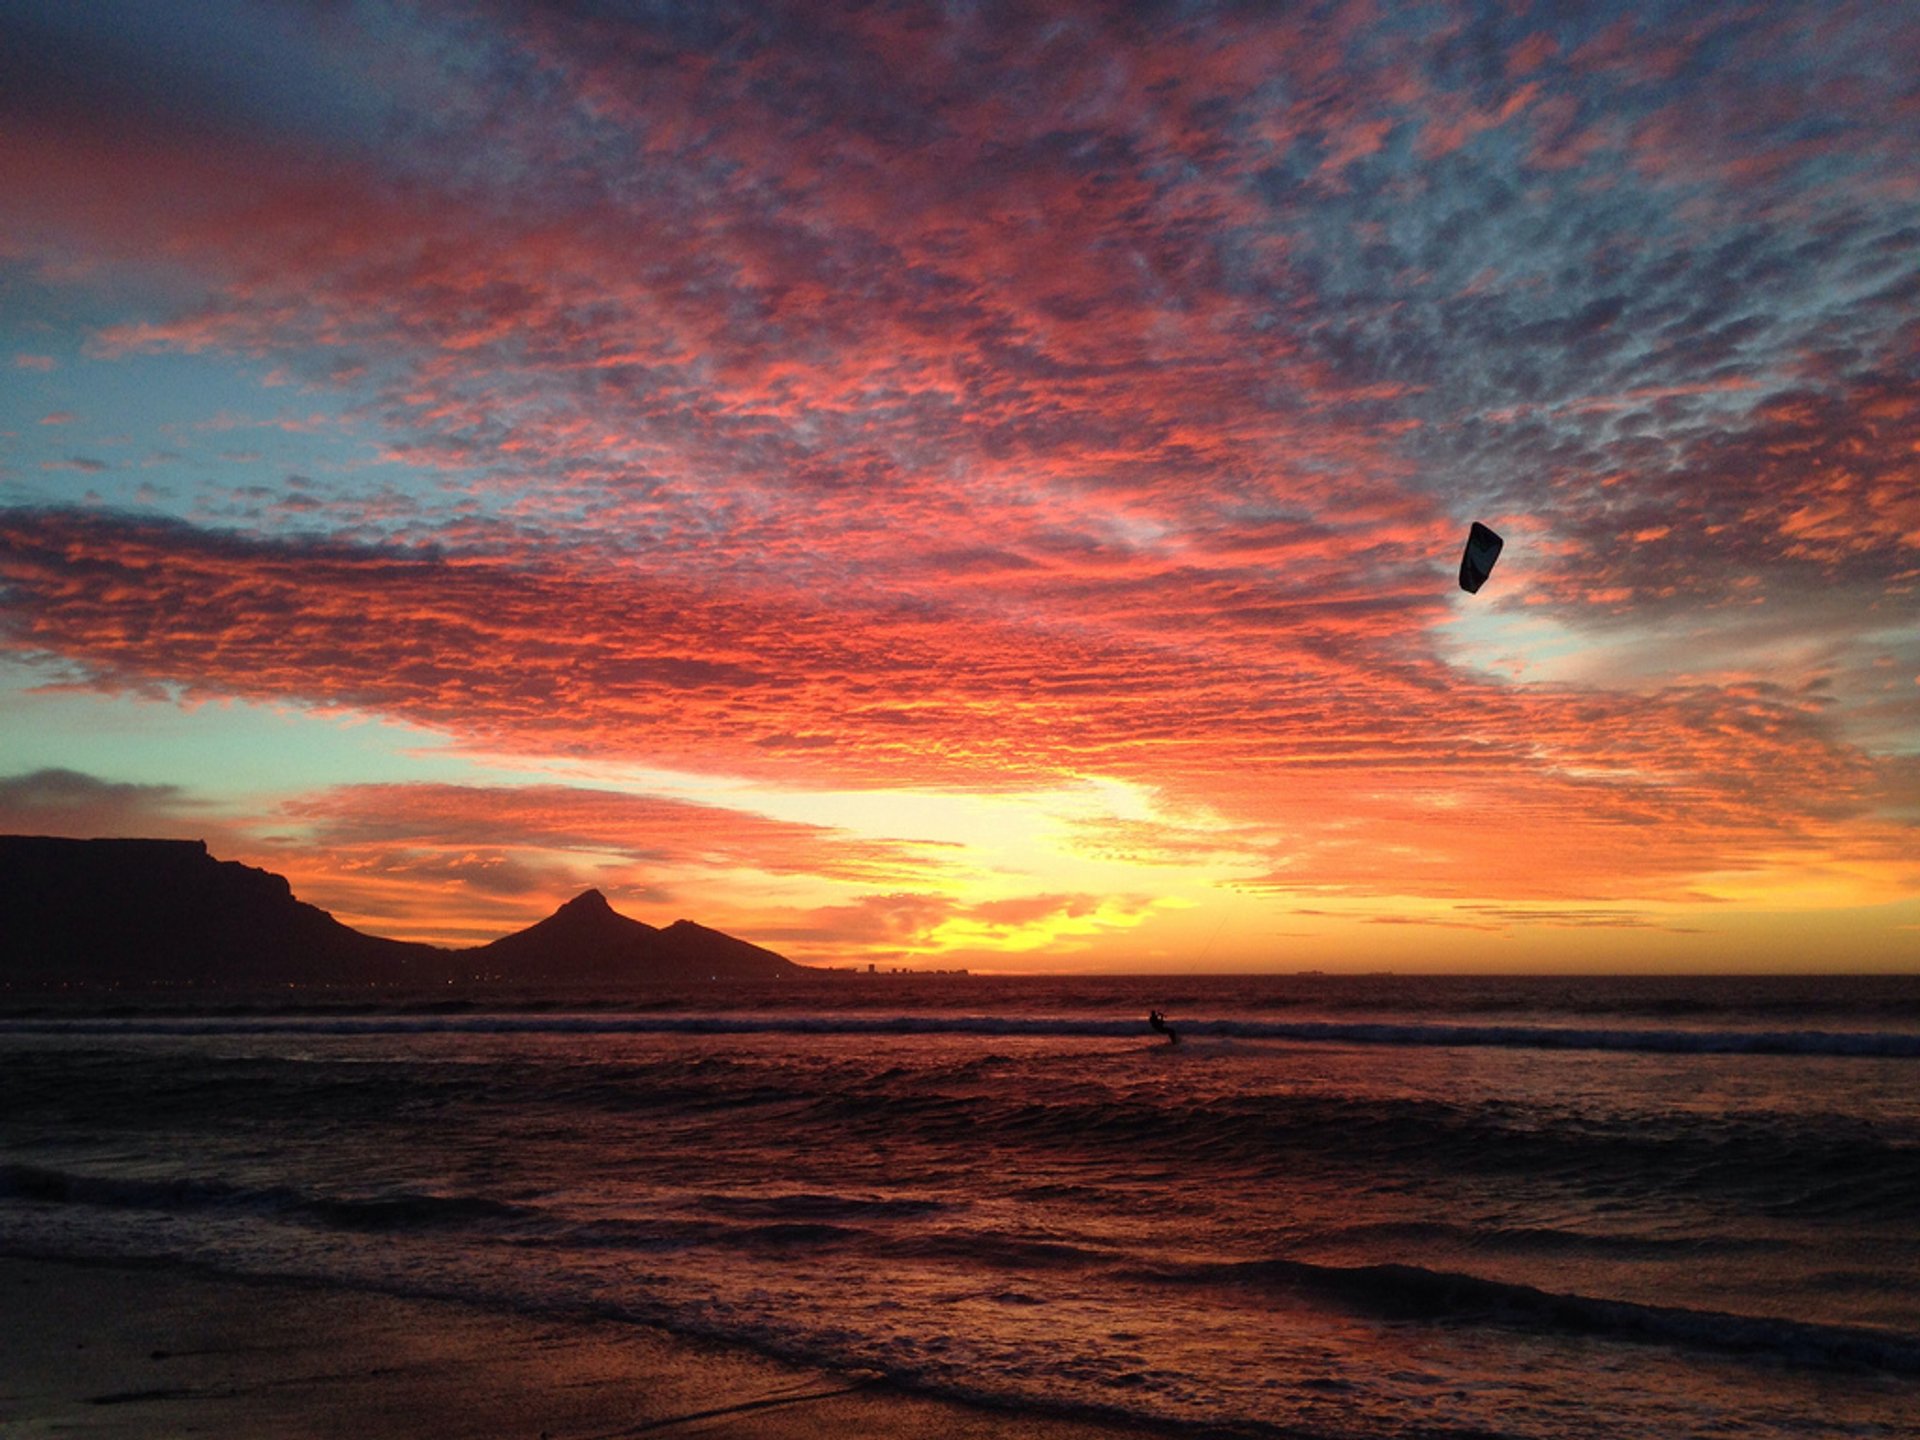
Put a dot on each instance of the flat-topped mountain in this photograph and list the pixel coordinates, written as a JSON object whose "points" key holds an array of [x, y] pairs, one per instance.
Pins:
{"points": [[164, 912]]}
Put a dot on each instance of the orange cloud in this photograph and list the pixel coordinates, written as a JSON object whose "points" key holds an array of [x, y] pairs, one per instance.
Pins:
{"points": [[465, 862], [1349, 756], [892, 398]]}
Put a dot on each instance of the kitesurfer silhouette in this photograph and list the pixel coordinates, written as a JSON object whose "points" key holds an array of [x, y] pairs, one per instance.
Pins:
{"points": [[1159, 1022]]}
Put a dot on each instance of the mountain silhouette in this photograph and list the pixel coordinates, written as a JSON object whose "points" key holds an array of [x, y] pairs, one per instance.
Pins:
{"points": [[593, 941], [141, 913]]}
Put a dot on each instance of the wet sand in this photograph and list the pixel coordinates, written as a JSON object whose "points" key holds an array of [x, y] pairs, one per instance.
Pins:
{"points": [[107, 1351]]}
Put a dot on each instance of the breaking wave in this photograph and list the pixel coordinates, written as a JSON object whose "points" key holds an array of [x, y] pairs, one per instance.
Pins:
{"points": [[1868, 1044], [1415, 1293], [387, 1211]]}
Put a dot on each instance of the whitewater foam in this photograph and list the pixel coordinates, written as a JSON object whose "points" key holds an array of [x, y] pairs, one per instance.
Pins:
{"points": [[1867, 1044]]}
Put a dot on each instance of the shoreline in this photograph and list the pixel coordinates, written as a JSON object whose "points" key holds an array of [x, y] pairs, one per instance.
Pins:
{"points": [[114, 1350]]}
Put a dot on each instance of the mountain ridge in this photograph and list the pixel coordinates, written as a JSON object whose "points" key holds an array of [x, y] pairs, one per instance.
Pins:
{"points": [[141, 913]]}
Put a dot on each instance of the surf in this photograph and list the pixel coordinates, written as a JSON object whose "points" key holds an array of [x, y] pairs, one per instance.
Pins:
{"points": [[1839, 1044]]}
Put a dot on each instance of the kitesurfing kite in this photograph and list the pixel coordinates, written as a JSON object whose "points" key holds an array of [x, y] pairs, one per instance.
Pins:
{"points": [[1483, 548]]}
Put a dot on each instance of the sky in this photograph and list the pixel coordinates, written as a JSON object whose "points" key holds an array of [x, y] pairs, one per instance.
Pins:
{"points": [[981, 484]]}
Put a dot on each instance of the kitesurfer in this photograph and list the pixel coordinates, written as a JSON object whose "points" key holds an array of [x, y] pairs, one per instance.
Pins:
{"points": [[1159, 1022]]}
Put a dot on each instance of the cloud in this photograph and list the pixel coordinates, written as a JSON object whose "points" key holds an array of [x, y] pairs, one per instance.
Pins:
{"points": [[921, 926], [464, 863], [227, 69], [500, 648], [663, 834], [890, 924], [1344, 756], [67, 802], [930, 397], [1589, 918]]}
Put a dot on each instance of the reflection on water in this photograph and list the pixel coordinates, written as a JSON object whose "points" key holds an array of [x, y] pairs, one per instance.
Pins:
{"points": [[1049, 1205]]}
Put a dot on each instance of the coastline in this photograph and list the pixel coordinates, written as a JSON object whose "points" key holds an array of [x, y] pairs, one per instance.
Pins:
{"points": [[108, 1350]]}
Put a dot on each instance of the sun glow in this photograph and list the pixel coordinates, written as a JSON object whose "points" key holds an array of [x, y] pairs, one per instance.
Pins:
{"points": [[808, 476]]}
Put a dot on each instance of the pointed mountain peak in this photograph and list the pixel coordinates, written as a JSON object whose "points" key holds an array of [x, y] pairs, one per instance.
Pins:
{"points": [[584, 928]]}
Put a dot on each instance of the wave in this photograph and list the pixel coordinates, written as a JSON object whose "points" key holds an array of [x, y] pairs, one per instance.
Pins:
{"points": [[812, 1205], [389, 1211], [795, 1225], [1540, 1240], [1865, 1044], [1415, 1293], [1821, 1165]]}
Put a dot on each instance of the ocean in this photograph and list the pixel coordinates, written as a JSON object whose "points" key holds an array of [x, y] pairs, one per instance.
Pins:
{"points": [[1365, 1206]]}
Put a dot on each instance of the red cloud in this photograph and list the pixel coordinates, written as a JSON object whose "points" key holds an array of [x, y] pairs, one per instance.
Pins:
{"points": [[806, 409], [1370, 766], [463, 862], [641, 829]]}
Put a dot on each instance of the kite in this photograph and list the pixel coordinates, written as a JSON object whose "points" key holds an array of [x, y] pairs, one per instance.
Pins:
{"points": [[1483, 548]]}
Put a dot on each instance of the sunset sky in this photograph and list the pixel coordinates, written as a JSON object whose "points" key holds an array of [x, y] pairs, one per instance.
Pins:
{"points": [[977, 484]]}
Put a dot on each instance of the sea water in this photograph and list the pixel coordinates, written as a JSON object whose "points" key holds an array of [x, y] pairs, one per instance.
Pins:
{"points": [[1359, 1206]]}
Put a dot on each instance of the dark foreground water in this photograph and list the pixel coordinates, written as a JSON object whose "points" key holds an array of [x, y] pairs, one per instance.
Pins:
{"points": [[1341, 1207]]}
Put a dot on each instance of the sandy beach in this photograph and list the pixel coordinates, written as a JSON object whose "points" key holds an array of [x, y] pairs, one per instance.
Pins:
{"points": [[107, 1351]]}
